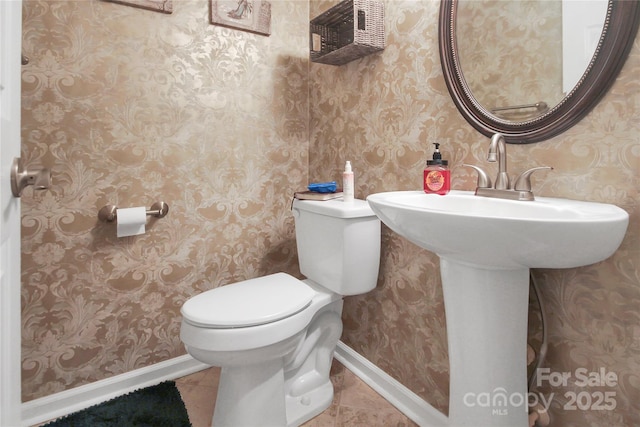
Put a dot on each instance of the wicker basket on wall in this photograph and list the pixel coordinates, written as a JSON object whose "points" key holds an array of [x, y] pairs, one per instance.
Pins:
{"points": [[349, 30]]}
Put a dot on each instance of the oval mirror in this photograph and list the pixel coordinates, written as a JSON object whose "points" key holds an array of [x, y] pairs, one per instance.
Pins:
{"points": [[552, 94]]}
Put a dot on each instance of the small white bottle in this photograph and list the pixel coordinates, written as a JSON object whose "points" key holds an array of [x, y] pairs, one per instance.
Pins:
{"points": [[347, 183]]}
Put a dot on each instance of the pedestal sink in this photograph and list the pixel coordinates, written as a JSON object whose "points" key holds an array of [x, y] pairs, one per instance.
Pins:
{"points": [[486, 248]]}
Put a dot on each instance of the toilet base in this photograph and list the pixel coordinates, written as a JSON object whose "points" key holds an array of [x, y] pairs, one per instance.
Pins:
{"points": [[251, 396], [246, 396], [302, 408]]}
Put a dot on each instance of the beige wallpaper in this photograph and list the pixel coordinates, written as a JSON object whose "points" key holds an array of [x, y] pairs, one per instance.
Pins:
{"points": [[129, 106], [382, 112]]}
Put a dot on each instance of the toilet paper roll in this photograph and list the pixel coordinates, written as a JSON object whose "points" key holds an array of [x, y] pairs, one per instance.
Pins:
{"points": [[131, 221]]}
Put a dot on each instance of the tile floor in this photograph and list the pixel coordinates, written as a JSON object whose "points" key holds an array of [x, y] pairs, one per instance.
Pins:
{"points": [[354, 402]]}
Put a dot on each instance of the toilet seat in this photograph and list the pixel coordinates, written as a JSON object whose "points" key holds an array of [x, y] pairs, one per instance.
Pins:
{"points": [[249, 303]]}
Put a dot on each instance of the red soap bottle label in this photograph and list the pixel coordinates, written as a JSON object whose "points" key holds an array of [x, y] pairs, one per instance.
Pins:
{"points": [[437, 181]]}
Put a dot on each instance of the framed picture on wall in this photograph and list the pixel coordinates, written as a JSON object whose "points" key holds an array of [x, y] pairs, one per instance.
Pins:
{"points": [[164, 6], [247, 15]]}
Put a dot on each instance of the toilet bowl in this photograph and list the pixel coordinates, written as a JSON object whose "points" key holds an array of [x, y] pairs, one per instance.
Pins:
{"points": [[262, 363], [274, 336]]}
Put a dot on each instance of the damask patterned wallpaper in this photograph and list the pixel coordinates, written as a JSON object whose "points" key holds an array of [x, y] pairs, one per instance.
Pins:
{"points": [[129, 106], [383, 112]]}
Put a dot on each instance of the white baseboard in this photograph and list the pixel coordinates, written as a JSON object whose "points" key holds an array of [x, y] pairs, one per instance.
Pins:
{"points": [[59, 404], [407, 402]]}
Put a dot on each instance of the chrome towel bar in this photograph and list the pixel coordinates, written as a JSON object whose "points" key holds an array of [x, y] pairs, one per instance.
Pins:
{"points": [[539, 106]]}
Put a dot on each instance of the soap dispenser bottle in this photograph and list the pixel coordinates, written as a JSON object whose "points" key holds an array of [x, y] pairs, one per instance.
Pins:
{"points": [[437, 177]]}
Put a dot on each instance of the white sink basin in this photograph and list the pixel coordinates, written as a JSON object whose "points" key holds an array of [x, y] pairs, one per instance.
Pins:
{"points": [[486, 247], [545, 233]]}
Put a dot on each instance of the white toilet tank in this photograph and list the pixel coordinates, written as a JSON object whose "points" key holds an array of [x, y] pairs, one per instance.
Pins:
{"points": [[338, 244]]}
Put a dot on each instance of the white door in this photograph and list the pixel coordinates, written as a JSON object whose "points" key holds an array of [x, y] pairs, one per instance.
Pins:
{"points": [[10, 63], [582, 24]]}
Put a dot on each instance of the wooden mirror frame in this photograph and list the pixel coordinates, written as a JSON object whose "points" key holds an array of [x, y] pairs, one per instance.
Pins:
{"points": [[618, 34]]}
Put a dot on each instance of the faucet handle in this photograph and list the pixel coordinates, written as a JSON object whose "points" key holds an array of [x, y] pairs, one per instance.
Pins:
{"points": [[523, 182], [483, 179]]}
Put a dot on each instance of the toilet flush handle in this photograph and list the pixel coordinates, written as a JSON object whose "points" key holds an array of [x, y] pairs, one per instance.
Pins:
{"points": [[296, 212]]}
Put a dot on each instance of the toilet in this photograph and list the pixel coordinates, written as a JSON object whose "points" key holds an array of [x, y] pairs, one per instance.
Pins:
{"points": [[274, 336]]}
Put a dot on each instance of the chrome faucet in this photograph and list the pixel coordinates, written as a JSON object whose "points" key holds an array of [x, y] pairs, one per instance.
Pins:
{"points": [[498, 152], [502, 187]]}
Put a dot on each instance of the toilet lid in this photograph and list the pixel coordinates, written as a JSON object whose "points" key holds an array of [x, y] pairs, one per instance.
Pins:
{"points": [[249, 303]]}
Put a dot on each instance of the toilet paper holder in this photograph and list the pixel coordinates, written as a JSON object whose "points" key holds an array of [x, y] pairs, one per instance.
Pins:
{"points": [[108, 213]]}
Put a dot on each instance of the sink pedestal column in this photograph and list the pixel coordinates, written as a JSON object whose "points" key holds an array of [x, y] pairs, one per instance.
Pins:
{"points": [[486, 313]]}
